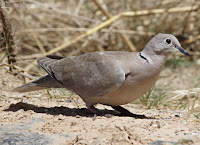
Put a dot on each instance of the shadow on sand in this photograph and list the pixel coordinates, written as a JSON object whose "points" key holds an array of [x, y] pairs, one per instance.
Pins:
{"points": [[55, 110]]}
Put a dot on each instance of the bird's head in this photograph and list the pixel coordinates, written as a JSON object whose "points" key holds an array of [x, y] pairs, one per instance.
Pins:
{"points": [[164, 44]]}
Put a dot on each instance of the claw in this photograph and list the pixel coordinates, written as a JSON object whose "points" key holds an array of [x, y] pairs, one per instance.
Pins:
{"points": [[97, 112]]}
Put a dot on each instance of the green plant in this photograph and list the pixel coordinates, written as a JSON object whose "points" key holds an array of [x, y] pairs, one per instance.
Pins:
{"points": [[198, 117], [9, 45], [153, 98]]}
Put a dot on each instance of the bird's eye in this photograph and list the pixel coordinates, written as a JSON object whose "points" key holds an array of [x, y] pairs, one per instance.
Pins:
{"points": [[168, 41]]}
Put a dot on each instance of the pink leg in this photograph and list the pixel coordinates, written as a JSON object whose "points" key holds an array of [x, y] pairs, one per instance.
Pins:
{"points": [[98, 112]]}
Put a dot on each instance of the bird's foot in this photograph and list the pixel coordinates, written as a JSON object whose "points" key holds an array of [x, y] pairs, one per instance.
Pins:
{"points": [[98, 113], [125, 112]]}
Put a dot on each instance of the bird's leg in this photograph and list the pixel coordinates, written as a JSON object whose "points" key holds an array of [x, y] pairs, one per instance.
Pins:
{"points": [[125, 112], [97, 112]]}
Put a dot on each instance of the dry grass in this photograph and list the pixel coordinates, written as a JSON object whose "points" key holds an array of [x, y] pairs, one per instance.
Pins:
{"points": [[75, 27], [191, 98]]}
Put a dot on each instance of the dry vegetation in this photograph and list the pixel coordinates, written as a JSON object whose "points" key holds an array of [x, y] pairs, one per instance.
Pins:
{"points": [[76, 27], [34, 28]]}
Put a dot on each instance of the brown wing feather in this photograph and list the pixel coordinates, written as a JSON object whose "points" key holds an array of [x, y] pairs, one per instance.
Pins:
{"points": [[91, 74], [46, 63]]}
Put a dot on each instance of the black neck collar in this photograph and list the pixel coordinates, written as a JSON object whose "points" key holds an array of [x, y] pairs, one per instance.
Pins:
{"points": [[143, 57]]}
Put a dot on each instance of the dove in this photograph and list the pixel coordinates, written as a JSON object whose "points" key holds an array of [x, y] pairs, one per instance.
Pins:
{"points": [[110, 78]]}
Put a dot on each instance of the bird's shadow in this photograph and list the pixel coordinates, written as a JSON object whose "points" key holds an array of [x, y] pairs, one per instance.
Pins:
{"points": [[66, 111]]}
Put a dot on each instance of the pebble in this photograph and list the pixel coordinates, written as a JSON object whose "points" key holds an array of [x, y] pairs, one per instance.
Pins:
{"points": [[177, 115]]}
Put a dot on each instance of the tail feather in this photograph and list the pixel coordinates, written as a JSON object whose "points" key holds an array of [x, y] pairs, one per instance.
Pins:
{"points": [[42, 83]]}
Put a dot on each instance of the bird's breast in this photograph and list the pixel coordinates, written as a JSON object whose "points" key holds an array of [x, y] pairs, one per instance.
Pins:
{"points": [[133, 88]]}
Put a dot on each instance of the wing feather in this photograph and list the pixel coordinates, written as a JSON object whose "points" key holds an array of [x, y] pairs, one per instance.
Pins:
{"points": [[91, 74]]}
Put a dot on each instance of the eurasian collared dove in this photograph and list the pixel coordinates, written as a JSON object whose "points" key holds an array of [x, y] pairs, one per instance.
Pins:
{"points": [[112, 77]]}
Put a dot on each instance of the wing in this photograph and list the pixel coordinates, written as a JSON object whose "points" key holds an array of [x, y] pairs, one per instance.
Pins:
{"points": [[47, 62], [90, 75]]}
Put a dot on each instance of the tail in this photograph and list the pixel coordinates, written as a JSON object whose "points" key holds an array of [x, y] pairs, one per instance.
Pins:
{"points": [[43, 83]]}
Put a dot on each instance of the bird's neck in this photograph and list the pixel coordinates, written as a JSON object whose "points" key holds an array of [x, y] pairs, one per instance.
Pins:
{"points": [[153, 58]]}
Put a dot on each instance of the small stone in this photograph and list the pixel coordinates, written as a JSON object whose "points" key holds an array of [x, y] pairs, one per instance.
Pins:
{"points": [[177, 115], [69, 101]]}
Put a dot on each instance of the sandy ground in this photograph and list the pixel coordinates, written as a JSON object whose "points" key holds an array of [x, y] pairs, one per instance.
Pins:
{"points": [[39, 118]]}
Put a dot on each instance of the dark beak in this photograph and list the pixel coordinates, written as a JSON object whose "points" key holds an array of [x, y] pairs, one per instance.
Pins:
{"points": [[182, 50]]}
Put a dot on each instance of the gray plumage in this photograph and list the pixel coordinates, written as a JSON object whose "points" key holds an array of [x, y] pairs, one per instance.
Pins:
{"points": [[112, 78]]}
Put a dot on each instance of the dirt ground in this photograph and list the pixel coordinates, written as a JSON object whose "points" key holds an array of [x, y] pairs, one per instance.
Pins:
{"points": [[40, 118]]}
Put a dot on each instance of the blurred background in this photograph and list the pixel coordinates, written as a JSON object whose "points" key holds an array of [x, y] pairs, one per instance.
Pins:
{"points": [[33, 28], [38, 26]]}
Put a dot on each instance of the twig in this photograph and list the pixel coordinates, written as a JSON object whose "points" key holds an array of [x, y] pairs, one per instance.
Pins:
{"points": [[80, 37], [160, 11], [37, 40], [7, 37], [77, 10], [192, 40], [104, 11], [31, 56], [108, 15], [55, 29], [64, 45], [128, 32], [29, 47], [28, 67], [53, 8], [71, 29], [116, 17], [190, 110], [24, 73]]}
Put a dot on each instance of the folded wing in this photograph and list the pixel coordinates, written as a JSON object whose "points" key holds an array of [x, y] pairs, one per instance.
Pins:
{"points": [[88, 75]]}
